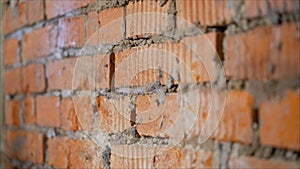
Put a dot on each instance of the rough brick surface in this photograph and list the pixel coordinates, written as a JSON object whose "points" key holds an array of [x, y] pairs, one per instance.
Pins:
{"points": [[47, 111], [26, 146], [43, 39], [68, 116], [58, 151], [14, 17], [33, 78], [277, 118], [71, 32], [12, 115], [275, 53], [236, 123], [29, 110], [11, 51], [252, 162], [13, 80], [35, 11]]}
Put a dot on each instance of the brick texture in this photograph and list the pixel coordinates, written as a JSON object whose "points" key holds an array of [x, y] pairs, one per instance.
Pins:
{"points": [[33, 78], [47, 111], [58, 151], [12, 115], [11, 51], [29, 110]]}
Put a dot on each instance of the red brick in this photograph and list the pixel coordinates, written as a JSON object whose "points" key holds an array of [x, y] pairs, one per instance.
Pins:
{"points": [[114, 114], [68, 116], [110, 22], [58, 151], [12, 115], [71, 32], [29, 110], [146, 156], [278, 118], [25, 146], [14, 17], [84, 111], [13, 80], [35, 11], [43, 39], [145, 17], [207, 12], [47, 111], [60, 74], [248, 58], [83, 154], [262, 8], [57, 7], [33, 78], [11, 51], [164, 120], [252, 162]]}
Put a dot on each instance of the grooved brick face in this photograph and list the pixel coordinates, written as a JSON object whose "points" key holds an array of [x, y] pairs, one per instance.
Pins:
{"points": [[71, 32], [279, 121], [25, 146], [11, 51], [43, 39], [12, 115], [47, 111], [236, 123], [263, 53]]}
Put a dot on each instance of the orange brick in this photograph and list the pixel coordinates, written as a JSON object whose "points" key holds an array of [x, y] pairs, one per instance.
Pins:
{"points": [[13, 80], [43, 39], [29, 113], [68, 116], [274, 49], [47, 111], [236, 123], [252, 162], [11, 51], [14, 17], [83, 154], [60, 74], [35, 11], [278, 118], [57, 7], [33, 78], [145, 17], [262, 8], [58, 151], [72, 32], [105, 21], [25, 146], [207, 12], [12, 115], [164, 120], [84, 111], [115, 114]]}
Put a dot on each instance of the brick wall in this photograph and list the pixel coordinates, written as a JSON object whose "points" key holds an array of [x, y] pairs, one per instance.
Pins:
{"points": [[66, 108]]}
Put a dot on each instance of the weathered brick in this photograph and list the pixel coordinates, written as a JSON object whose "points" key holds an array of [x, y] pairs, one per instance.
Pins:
{"points": [[263, 7], [47, 111], [273, 56], [236, 123], [278, 118], [29, 110], [35, 11], [252, 162], [146, 17], [11, 51], [105, 21], [68, 116], [12, 115], [14, 17], [57, 7], [84, 111], [83, 154], [71, 32], [25, 146], [206, 12], [164, 119], [58, 151], [43, 39], [33, 78], [115, 114], [60, 73], [13, 80]]}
